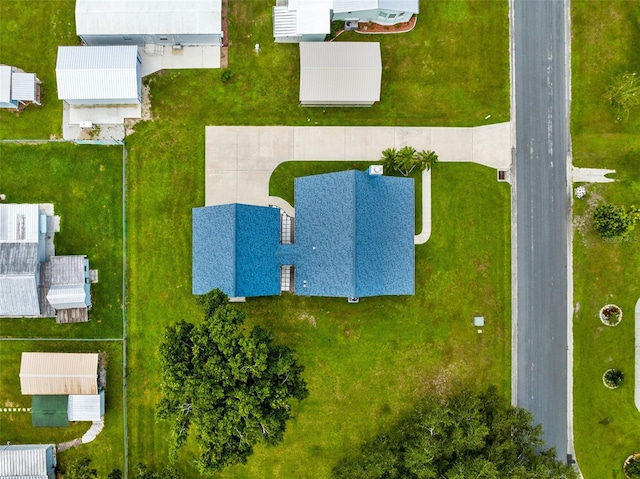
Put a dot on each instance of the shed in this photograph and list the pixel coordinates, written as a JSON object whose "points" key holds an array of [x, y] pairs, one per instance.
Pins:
{"points": [[86, 407], [69, 282], [99, 75], [49, 411], [28, 461], [140, 22], [18, 88], [59, 373], [340, 73], [234, 249], [354, 235]]}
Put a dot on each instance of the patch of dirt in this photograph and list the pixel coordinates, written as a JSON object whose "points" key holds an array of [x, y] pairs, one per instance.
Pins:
{"points": [[309, 318], [582, 223], [146, 114], [444, 382]]}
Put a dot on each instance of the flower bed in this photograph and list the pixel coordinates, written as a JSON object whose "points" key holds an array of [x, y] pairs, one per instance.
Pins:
{"points": [[612, 378], [610, 315], [632, 466]]}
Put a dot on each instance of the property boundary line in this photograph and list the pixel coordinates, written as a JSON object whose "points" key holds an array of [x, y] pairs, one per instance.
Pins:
{"points": [[61, 339], [124, 311]]}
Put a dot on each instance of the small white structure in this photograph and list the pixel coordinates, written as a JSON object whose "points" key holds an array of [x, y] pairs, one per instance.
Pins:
{"points": [[17, 88], [32, 461], [340, 73], [88, 407], [149, 22], [310, 20], [103, 85]]}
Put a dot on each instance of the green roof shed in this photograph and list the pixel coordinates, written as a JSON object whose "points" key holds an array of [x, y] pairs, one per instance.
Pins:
{"points": [[49, 411]]}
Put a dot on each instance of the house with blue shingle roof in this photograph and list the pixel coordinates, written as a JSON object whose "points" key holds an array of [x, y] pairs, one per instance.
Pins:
{"points": [[353, 238]]}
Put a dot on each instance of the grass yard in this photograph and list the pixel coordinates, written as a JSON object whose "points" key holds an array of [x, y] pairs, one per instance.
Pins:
{"points": [[84, 183], [606, 423], [365, 363], [282, 179], [29, 38], [107, 449]]}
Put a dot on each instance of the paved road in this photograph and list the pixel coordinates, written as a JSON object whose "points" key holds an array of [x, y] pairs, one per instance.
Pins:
{"points": [[542, 209]]}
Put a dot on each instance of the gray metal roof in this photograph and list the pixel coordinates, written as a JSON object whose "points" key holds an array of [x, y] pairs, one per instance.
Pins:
{"points": [[97, 73], [27, 461], [5, 84], [86, 407], [23, 86], [340, 72], [17, 259], [19, 297], [284, 22], [67, 270], [19, 222], [140, 17]]}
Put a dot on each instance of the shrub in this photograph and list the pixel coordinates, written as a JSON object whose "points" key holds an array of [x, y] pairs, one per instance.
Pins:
{"points": [[613, 221], [632, 467], [225, 75], [613, 378]]}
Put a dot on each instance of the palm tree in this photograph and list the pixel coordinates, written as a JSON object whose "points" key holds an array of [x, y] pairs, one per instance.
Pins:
{"points": [[427, 160]]}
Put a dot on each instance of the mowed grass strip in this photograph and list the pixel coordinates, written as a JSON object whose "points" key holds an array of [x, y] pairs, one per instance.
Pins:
{"points": [[606, 423], [107, 450], [365, 363], [29, 38], [84, 183]]}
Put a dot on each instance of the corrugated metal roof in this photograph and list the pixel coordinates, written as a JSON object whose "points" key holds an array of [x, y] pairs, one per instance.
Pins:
{"points": [[5, 84], [284, 22], [19, 297], [340, 72], [19, 222], [67, 297], [23, 86], [49, 411], [314, 17], [27, 461], [97, 73], [85, 407], [18, 259], [67, 270], [148, 17], [59, 373]]}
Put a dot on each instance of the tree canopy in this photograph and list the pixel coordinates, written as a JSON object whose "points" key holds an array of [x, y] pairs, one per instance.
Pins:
{"points": [[613, 221], [232, 387], [408, 159], [80, 469], [466, 435]]}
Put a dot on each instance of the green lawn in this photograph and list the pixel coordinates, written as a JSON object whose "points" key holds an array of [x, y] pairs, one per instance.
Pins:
{"points": [[606, 423], [107, 449], [29, 38], [84, 183]]}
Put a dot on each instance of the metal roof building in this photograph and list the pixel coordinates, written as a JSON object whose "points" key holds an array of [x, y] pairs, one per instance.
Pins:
{"points": [[139, 22], [100, 75], [86, 407], [32, 461], [18, 88], [49, 411], [59, 373], [69, 282], [340, 73], [234, 249]]}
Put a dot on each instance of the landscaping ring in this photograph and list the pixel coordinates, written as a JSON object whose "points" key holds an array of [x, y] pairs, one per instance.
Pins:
{"points": [[610, 315]]}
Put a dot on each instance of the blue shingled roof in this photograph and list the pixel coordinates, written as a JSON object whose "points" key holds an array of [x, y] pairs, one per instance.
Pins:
{"points": [[354, 235], [234, 249]]}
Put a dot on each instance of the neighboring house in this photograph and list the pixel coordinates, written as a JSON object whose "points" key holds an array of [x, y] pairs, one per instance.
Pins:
{"points": [[105, 75], [31, 461], [17, 88], [33, 281], [64, 387], [352, 236], [310, 20], [149, 22], [340, 73]]}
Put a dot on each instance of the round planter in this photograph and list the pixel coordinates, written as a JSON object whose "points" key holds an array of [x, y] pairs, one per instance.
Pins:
{"points": [[635, 457], [606, 312], [604, 381]]}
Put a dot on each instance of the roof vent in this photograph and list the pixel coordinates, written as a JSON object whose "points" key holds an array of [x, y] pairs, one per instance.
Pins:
{"points": [[375, 170]]}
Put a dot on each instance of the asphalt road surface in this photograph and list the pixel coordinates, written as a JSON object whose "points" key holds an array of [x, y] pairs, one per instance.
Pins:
{"points": [[542, 215]]}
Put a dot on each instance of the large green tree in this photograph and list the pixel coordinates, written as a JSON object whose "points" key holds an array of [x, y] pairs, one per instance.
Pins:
{"points": [[232, 387], [613, 221], [467, 435]]}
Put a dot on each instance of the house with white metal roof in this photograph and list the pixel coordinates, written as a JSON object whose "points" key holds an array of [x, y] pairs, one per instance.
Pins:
{"points": [[33, 281], [29, 461], [340, 73], [101, 84], [310, 20], [149, 22], [17, 88]]}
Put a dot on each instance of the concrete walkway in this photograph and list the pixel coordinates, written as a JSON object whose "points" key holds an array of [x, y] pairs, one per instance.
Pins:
{"points": [[591, 175], [239, 160], [637, 378]]}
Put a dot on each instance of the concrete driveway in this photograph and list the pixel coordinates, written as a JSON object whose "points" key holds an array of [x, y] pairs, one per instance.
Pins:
{"points": [[239, 160]]}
